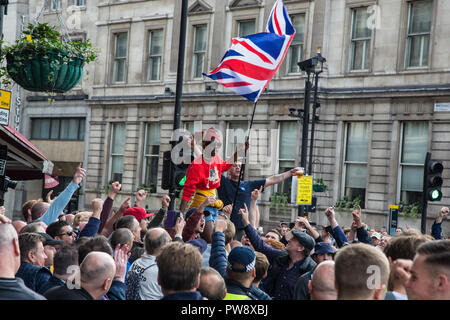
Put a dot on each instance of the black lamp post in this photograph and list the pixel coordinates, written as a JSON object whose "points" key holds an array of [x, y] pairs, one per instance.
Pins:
{"points": [[178, 93], [313, 66]]}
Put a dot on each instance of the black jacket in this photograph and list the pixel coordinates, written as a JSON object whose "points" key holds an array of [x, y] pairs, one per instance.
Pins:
{"points": [[307, 265]]}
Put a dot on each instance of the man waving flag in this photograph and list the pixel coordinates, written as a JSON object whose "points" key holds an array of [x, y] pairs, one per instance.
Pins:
{"points": [[252, 61]]}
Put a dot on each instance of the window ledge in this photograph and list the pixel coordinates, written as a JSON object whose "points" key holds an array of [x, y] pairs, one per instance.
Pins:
{"points": [[415, 70], [110, 3]]}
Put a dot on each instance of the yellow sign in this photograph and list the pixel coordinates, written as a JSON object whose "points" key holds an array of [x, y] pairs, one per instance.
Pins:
{"points": [[304, 191], [5, 99], [393, 206]]}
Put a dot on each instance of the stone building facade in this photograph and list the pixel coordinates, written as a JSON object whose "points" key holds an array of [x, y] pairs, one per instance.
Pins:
{"points": [[384, 96]]}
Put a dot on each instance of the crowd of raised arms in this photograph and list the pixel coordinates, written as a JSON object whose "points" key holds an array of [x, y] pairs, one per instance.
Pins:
{"points": [[214, 249]]}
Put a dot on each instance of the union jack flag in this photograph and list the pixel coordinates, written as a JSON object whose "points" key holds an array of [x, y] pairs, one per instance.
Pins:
{"points": [[252, 61]]}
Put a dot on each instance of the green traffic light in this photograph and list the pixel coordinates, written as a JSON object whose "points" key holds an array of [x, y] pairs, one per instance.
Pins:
{"points": [[182, 181], [435, 194]]}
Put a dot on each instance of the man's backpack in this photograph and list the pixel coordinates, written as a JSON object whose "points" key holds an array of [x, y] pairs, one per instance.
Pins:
{"points": [[133, 283]]}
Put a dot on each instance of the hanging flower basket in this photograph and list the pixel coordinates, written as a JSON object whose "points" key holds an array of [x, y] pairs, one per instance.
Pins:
{"points": [[53, 72], [43, 61], [319, 185]]}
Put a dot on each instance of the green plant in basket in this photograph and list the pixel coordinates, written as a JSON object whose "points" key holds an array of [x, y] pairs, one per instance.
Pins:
{"points": [[43, 61]]}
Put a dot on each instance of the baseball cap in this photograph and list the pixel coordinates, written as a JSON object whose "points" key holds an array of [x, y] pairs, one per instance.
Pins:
{"points": [[190, 212], [323, 248], [376, 235], [138, 212], [244, 256], [305, 239], [49, 241]]}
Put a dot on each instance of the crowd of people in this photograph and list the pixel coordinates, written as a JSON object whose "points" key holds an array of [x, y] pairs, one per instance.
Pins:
{"points": [[213, 249]]}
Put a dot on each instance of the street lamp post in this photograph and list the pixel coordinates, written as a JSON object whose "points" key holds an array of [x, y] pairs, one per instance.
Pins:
{"points": [[178, 94], [310, 67]]}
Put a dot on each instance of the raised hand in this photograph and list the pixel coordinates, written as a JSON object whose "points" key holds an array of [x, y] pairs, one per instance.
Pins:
{"points": [[165, 201], [256, 193], [294, 171], [97, 205], [115, 187], [79, 175], [141, 195], [357, 217], [125, 205], [329, 212], [401, 268], [244, 215], [227, 210], [301, 222], [208, 201], [48, 197], [220, 226], [121, 256], [179, 225]]}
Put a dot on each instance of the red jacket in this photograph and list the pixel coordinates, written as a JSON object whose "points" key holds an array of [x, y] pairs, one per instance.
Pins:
{"points": [[204, 176]]}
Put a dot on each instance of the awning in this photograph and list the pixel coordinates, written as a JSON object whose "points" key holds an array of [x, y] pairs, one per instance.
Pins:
{"points": [[25, 161]]}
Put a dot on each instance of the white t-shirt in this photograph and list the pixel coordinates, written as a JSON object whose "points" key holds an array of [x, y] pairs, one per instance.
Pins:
{"points": [[147, 267]]}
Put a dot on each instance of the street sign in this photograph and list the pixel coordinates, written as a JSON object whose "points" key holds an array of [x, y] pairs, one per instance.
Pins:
{"points": [[393, 219], [5, 103], [304, 191], [442, 107]]}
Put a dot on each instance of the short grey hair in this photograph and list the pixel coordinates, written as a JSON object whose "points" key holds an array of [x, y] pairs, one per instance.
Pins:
{"points": [[7, 234]]}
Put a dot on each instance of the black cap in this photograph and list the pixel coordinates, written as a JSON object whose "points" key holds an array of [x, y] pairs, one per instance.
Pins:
{"points": [[305, 239], [49, 241]]}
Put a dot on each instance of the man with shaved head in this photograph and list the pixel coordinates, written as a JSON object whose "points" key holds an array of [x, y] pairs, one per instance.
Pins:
{"points": [[96, 275], [212, 285], [12, 287], [145, 268], [321, 286]]}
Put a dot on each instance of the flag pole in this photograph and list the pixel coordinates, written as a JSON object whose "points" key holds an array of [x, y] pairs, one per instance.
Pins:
{"points": [[241, 172]]}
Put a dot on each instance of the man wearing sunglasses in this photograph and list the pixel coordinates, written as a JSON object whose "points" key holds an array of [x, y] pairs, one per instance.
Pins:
{"points": [[61, 230]]}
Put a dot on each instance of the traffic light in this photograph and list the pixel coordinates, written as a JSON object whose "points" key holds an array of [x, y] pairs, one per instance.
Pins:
{"points": [[173, 173], [179, 175], [433, 180]]}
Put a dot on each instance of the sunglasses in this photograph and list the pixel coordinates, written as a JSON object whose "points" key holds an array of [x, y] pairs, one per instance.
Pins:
{"points": [[69, 233]]}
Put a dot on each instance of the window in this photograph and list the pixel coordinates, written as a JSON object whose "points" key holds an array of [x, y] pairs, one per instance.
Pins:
{"points": [[236, 134], [412, 158], [80, 3], [55, 5], [295, 52], [198, 62], [287, 152], [152, 142], [120, 57], [58, 129], [117, 151], [154, 55], [246, 28], [418, 34], [360, 39], [355, 163]]}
